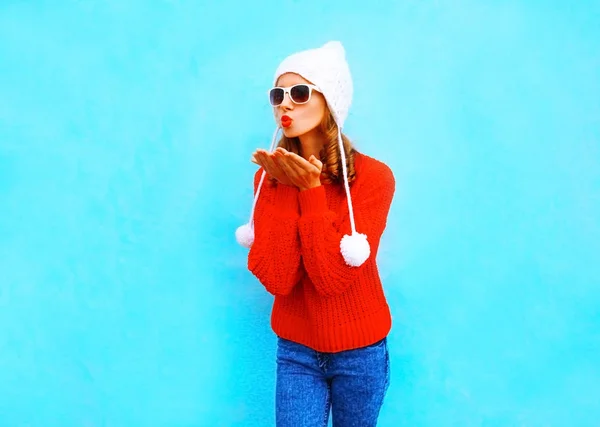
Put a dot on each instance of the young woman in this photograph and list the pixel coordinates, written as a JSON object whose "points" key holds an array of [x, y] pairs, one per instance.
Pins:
{"points": [[319, 211]]}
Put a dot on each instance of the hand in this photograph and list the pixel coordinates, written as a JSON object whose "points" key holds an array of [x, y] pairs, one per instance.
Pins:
{"points": [[266, 160], [303, 173]]}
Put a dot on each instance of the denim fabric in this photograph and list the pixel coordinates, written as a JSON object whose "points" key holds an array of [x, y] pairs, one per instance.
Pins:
{"points": [[352, 384]]}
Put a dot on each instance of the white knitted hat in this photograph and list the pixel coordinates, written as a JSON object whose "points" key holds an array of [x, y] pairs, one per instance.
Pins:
{"points": [[326, 68]]}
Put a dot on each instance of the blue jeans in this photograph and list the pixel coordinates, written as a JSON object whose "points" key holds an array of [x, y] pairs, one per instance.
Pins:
{"points": [[351, 383]]}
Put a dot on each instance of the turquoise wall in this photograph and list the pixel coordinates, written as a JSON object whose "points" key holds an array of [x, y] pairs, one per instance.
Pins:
{"points": [[126, 129]]}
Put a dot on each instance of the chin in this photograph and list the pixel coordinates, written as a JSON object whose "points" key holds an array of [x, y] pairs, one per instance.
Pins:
{"points": [[290, 132]]}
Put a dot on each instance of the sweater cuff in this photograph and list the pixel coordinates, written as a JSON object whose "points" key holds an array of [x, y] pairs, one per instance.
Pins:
{"points": [[313, 201], [287, 197]]}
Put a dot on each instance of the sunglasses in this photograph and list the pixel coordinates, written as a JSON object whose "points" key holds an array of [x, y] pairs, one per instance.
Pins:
{"points": [[299, 94]]}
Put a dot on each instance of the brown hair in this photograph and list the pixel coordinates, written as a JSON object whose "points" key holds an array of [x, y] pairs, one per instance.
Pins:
{"points": [[332, 172]]}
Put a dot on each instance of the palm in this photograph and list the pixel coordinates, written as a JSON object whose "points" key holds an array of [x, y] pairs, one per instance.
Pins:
{"points": [[266, 160], [303, 173]]}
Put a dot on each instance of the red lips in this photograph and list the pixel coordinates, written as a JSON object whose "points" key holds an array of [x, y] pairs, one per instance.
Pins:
{"points": [[286, 121]]}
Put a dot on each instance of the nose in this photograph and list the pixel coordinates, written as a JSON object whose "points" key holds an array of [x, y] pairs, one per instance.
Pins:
{"points": [[287, 103]]}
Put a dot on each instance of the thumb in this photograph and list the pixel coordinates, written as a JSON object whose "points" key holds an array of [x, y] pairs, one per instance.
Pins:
{"points": [[313, 160]]}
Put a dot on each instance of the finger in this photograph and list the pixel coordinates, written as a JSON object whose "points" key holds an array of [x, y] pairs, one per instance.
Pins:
{"points": [[292, 168], [284, 164], [268, 159], [262, 154], [282, 153], [258, 156], [262, 161], [271, 166], [296, 158], [301, 162], [313, 160], [257, 159]]}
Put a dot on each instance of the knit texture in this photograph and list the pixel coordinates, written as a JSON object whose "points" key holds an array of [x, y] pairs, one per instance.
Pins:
{"points": [[320, 301]]}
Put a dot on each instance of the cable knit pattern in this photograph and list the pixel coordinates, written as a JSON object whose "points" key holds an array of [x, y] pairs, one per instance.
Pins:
{"points": [[320, 301]]}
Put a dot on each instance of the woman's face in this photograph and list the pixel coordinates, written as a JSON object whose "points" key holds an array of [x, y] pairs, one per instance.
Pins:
{"points": [[304, 117]]}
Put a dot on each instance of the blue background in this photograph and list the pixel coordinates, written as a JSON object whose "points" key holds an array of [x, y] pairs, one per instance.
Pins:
{"points": [[126, 129]]}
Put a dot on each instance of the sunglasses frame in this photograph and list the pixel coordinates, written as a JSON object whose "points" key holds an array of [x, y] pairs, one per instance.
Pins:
{"points": [[287, 90]]}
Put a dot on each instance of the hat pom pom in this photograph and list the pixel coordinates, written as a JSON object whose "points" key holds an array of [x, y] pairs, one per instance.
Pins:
{"points": [[355, 249], [245, 235]]}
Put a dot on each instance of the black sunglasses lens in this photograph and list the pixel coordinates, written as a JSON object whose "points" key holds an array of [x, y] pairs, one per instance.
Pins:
{"points": [[300, 93], [276, 96]]}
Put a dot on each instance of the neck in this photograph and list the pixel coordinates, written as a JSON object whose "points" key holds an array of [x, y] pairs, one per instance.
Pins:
{"points": [[311, 143]]}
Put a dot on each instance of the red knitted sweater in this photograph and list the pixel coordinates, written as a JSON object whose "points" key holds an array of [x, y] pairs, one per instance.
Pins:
{"points": [[319, 300]]}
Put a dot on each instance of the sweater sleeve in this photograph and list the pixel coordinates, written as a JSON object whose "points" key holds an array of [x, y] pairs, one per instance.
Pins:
{"points": [[321, 229], [274, 257]]}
